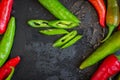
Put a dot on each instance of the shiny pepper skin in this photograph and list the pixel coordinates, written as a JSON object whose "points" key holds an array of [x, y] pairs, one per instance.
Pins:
{"points": [[5, 70], [109, 67], [5, 11], [101, 10]]}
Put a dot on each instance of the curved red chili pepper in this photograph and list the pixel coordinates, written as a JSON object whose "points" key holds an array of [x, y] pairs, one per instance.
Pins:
{"points": [[5, 11], [101, 10], [109, 67], [5, 70]]}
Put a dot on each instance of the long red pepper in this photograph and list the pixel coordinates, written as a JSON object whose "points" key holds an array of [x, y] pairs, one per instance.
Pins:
{"points": [[109, 67], [5, 11], [5, 70], [101, 10]]}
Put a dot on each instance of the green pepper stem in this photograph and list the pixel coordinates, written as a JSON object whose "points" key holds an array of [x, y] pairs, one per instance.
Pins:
{"points": [[111, 28]]}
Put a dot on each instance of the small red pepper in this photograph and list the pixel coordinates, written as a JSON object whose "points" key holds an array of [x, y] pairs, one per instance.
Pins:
{"points": [[5, 70], [101, 10], [5, 11], [109, 67]]}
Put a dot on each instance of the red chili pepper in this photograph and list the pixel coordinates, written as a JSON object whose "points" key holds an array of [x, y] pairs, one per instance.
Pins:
{"points": [[5, 70], [5, 11], [109, 67], [101, 10]]}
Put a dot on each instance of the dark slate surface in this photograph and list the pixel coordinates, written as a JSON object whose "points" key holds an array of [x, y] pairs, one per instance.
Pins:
{"points": [[40, 61]]}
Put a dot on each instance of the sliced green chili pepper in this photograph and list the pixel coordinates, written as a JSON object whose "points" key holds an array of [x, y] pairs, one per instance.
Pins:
{"points": [[58, 10], [11, 74], [65, 24], [71, 42], [38, 23], [112, 17], [7, 41], [65, 39], [53, 31], [110, 46]]}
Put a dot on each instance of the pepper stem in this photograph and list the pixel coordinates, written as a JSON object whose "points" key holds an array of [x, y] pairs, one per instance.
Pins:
{"points": [[111, 28], [11, 74]]}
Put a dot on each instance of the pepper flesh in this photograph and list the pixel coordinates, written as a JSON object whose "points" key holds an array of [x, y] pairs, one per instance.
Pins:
{"points": [[112, 17], [38, 23], [53, 31], [7, 41], [5, 70], [65, 39], [65, 24], [101, 10], [108, 47], [58, 10], [71, 42], [109, 67], [5, 11]]}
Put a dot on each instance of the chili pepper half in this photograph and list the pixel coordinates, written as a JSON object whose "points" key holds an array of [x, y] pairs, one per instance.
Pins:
{"points": [[108, 47], [5, 70], [58, 10], [71, 42], [53, 31], [38, 23], [65, 24], [5, 11], [112, 17], [101, 10], [65, 39], [7, 41], [109, 67]]}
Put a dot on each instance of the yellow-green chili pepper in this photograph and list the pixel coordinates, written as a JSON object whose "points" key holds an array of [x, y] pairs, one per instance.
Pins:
{"points": [[112, 17], [110, 46]]}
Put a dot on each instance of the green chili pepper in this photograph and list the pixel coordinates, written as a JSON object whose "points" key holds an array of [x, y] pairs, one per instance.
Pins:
{"points": [[7, 41], [38, 23], [65, 39], [11, 74], [110, 46], [63, 24], [71, 42], [53, 31], [58, 10], [112, 17]]}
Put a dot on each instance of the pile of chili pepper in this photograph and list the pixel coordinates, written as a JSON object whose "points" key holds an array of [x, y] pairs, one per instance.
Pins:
{"points": [[7, 28], [111, 64], [109, 67], [66, 21]]}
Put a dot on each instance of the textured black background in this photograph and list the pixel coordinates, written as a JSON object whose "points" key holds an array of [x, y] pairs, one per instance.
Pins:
{"points": [[39, 60]]}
